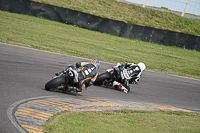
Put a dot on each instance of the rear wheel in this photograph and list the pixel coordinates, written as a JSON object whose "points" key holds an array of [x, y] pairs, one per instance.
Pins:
{"points": [[54, 83], [101, 78]]}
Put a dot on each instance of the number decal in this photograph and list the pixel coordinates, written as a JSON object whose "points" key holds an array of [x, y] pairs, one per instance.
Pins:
{"points": [[86, 72]]}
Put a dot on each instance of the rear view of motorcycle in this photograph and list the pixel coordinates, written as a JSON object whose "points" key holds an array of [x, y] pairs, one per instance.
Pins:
{"points": [[113, 78], [120, 76]]}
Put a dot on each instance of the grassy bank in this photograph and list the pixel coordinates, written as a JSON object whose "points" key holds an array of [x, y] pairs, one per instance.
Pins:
{"points": [[53, 36], [123, 122], [131, 14]]}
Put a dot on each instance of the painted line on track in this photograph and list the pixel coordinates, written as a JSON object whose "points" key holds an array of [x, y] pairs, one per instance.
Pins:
{"points": [[55, 103], [28, 115], [12, 108], [101, 102], [165, 107]]}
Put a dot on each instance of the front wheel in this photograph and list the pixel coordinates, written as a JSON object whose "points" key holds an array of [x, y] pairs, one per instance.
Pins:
{"points": [[101, 78], [54, 83]]}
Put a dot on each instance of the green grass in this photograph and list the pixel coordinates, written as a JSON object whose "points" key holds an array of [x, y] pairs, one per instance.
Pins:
{"points": [[131, 14], [53, 36], [123, 121]]}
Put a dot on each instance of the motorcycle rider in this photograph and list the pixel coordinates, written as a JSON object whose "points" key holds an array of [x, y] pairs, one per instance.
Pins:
{"points": [[129, 73], [84, 74]]}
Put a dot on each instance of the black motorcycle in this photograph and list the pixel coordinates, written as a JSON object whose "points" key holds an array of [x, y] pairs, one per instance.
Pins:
{"points": [[115, 74], [63, 80]]}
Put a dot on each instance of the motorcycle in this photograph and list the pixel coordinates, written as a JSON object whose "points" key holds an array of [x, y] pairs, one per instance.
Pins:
{"points": [[66, 80], [114, 74]]}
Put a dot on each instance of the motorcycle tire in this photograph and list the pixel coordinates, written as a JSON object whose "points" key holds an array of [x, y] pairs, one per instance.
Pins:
{"points": [[54, 83], [101, 78]]}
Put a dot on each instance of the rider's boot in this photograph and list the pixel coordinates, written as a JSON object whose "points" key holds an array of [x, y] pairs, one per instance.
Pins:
{"points": [[120, 86], [75, 89], [124, 89]]}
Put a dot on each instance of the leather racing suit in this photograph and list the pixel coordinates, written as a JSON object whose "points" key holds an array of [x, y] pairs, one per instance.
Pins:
{"points": [[126, 74]]}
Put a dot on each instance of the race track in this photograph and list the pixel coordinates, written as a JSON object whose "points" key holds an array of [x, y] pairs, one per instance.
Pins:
{"points": [[24, 72]]}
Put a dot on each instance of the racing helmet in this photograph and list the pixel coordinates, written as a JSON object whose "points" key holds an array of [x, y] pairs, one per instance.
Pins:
{"points": [[142, 66], [95, 63]]}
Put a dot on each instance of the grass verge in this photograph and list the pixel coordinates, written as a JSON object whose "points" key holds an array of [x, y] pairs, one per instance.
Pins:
{"points": [[123, 121], [131, 14], [53, 36]]}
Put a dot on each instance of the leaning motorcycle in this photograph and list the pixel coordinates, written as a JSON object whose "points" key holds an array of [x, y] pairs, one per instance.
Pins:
{"points": [[64, 80], [115, 74]]}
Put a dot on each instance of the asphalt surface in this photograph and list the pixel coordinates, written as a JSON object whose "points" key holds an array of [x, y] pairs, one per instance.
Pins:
{"points": [[24, 72]]}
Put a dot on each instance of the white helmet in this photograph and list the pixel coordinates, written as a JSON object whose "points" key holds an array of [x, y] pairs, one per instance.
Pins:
{"points": [[142, 66]]}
